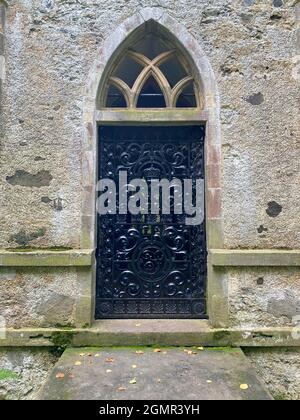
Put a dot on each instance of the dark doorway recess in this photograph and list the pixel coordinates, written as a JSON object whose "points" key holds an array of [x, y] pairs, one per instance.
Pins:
{"points": [[151, 266]]}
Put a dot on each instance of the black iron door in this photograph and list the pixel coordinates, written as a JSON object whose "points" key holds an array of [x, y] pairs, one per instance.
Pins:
{"points": [[150, 266]]}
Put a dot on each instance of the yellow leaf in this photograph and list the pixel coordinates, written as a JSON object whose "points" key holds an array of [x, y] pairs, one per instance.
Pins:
{"points": [[139, 352], [209, 382], [108, 371], [200, 348], [78, 363], [82, 354], [97, 355], [110, 360], [244, 387], [157, 350], [138, 325], [134, 366], [133, 381]]}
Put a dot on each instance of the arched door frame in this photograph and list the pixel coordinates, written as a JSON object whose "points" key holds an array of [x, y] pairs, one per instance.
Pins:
{"points": [[210, 116]]}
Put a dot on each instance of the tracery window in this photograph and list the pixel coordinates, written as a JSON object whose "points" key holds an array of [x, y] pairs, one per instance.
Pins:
{"points": [[151, 74]]}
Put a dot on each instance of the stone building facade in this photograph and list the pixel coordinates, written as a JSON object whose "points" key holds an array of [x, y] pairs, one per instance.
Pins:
{"points": [[54, 57]]}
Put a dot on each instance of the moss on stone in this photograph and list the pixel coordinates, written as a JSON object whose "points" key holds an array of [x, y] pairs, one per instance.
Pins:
{"points": [[224, 349], [280, 397], [62, 339], [7, 374], [31, 249], [221, 336]]}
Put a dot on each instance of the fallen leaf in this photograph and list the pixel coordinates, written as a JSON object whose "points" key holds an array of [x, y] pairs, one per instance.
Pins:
{"points": [[138, 325], [121, 388], [244, 387], [82, 354], [133, 381], [97, 355], [108, 371], [158, 381], [200, 348], [165, 352], [209, 382], [77, 363], [90, 354], [139, 352], [134, 366], [157, 350], [110, 360], [60, 375]]}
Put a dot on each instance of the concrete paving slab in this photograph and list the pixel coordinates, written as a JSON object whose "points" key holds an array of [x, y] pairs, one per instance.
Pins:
{"points": [[153, 374]]}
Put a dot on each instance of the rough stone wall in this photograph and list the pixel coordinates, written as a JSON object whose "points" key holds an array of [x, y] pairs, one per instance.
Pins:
{"points": [[51, 46], [39, 297], [23, 371], [261, 298], [279, 369]]}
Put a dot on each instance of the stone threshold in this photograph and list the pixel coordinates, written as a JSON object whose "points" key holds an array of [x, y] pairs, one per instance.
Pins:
{"points": [[151, 333]]}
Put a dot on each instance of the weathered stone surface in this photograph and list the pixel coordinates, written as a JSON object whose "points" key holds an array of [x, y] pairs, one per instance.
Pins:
{"points": [[28, 299], [275, 302], [26, 370], [57, 309], [23, 239], [44, 90], [51, 48], [170, 374], [25, 179], [279, 369]]}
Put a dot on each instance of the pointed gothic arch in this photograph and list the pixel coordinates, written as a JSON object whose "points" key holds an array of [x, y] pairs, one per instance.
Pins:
{"points": [[207, 111], [168, 68]]}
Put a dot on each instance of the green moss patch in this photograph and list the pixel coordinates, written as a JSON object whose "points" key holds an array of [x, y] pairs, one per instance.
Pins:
{"points": [[28, 249], [7, 374]]}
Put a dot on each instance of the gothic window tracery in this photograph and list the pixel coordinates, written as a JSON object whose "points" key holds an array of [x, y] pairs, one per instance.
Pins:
{"points": [[151, 74]]}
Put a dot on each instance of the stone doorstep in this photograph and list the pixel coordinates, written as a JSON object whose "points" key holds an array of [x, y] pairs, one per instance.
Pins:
{"points": [[149, 333], [153, 374]]}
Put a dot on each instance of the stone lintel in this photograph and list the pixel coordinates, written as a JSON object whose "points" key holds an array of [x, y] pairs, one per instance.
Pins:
{"points": [[160, 116]]}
